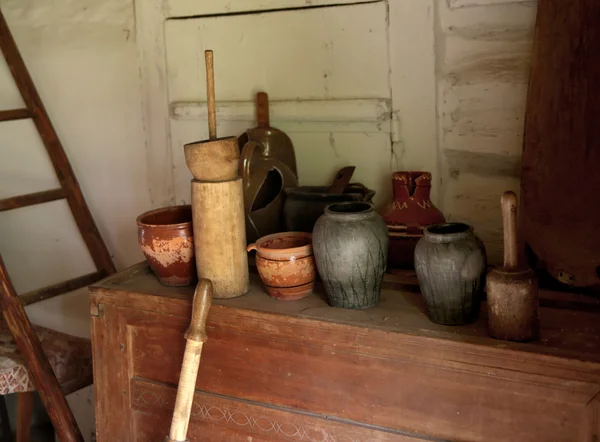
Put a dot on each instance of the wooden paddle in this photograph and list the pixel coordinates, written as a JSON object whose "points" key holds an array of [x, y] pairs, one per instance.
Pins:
{"points": [[341, 180]]}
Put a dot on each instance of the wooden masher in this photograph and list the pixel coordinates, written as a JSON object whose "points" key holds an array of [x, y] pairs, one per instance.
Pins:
{"points": [[218, 205], [512, 290], [195, 337]]}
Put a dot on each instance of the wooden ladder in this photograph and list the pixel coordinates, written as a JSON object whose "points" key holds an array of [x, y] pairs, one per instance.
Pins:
{"points": [[69, 187]]}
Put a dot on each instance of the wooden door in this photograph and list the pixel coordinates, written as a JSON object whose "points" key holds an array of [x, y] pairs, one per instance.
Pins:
{"points": [[329, 86]]}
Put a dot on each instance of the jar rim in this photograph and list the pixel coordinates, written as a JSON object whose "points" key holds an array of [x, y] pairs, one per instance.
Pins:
{"points": [[349, 207], [166, 218], [446, 232]]}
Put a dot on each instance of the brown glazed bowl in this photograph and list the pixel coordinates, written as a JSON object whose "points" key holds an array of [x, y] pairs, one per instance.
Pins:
{"points": [[286, 264], [166, 238]]}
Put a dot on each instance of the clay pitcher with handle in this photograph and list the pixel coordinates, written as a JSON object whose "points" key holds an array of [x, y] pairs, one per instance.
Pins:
{"points": [[267, 166], [274, 143]]}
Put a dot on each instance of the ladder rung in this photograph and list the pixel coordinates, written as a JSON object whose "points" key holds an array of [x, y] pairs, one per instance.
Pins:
{"points": [[15, 114], [16, 202], [60, 288]]}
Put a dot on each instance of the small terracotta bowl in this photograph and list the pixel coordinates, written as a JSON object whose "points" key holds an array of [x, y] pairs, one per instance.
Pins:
{"points": [[286, 264], [166, 238]]}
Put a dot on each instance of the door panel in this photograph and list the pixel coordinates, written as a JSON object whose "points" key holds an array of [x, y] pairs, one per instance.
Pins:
{"points": [[324, 83]]}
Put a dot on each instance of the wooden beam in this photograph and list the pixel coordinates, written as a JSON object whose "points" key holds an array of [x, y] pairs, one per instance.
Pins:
{"points": [[16, 202], [15, 114], [37, 363], [60, 162], [59, 288]]}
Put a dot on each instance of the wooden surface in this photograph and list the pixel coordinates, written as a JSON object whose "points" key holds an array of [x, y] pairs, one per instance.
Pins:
{"points": [[24, 413], [262, 110], [509, 205], [59, 288], [31, 199], [274, 370], [38, 365], [561, 153], [342, 179], [220, 236]]}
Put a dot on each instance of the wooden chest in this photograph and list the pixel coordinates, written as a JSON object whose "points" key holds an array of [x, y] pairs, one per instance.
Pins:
{"points": [[303, 371]]}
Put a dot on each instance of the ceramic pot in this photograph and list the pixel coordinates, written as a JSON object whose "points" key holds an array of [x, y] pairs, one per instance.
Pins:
{"points": [[407, 215], [450, 262], [265, 179], [286, 264], [166, 239], [304, 205], [350, 241]]}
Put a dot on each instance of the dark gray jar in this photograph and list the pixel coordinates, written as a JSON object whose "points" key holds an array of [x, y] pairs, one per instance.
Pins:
{"points": [[451, 262], [350, 243]]}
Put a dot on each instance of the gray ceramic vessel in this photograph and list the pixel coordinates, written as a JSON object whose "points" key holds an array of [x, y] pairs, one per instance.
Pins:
{"points": [[450, 262], [350, 243]]}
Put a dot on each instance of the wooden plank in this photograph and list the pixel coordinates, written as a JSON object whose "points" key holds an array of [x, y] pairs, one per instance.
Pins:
{"points": [[15, 114], [37, 363], [189, 8], [401, 306], [111, 397], [64, 172], [24, 414], [561, 153], [16, 202], [306, 363], [314, 370], [60, 288], [455, 4], [228, 419], [306, 358], [333, 115]]}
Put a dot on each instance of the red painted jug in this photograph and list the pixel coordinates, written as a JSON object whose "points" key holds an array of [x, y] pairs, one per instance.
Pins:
{"points": [[406, 217]]}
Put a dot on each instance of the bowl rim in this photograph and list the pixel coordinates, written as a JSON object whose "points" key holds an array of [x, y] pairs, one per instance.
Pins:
{"points": [[183, 225], [305, 250]]}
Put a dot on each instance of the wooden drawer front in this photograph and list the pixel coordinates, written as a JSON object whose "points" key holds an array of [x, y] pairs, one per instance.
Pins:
{"points": [[216, 418], [252, 361]]}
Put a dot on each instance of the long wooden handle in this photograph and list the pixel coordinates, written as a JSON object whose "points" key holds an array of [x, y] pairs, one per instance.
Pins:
{"points": [[196, 336], [210, 95], [262, 110], [509, 221]]}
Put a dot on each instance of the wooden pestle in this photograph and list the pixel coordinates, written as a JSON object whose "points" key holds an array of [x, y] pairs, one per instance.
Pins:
{"points": [[512, 290], [195, 337]]}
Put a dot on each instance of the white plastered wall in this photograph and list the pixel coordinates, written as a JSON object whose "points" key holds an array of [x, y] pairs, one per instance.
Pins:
{"points": [[82, 56]]}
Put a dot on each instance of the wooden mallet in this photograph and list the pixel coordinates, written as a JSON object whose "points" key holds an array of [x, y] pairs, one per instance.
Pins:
{"points": [[195, 336], [512, 290]]}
